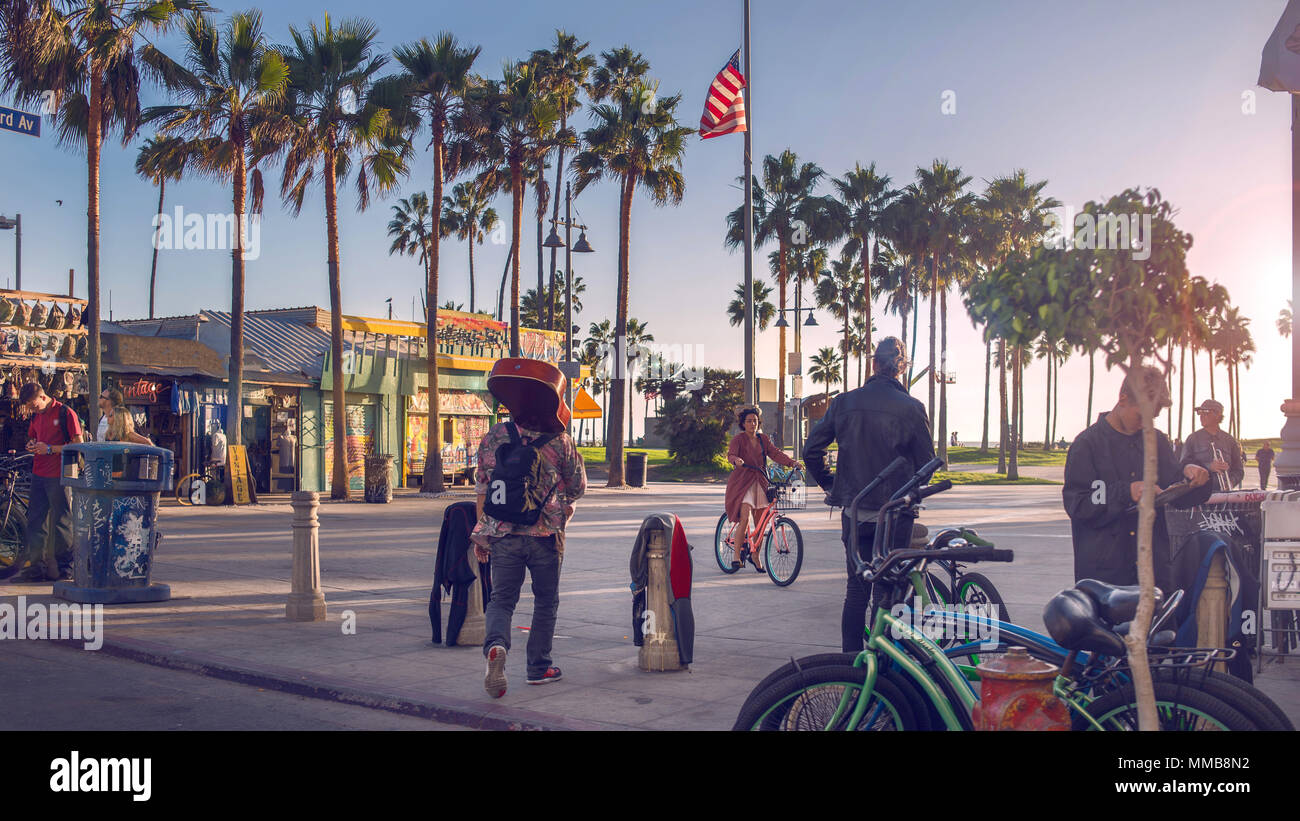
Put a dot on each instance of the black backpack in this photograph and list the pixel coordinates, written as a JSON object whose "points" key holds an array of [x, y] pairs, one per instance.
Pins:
{"points": [[515, 489]]}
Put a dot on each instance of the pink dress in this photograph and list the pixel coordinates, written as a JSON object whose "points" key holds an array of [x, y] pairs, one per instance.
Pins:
{"points": [[746, 486]]}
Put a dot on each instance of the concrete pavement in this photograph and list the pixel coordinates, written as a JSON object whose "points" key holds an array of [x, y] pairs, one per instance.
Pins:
{"points": [[229, 571]]}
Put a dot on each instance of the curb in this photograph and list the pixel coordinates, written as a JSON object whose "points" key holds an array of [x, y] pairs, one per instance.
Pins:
{"points": [[445, 710]]}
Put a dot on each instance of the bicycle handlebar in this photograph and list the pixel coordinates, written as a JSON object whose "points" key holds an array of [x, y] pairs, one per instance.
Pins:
{"points": [[869, 573], [937, 487]]}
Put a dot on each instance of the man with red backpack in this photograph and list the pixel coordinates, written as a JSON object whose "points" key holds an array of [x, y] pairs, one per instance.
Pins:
{"points": [[53, 425], [529, 474]]}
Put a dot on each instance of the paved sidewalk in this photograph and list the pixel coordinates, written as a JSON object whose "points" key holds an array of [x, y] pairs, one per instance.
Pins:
{"points": [[229, 571]]}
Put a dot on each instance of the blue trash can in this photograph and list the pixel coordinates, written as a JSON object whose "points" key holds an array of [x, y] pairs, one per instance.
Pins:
{"points": [[115, 490]]}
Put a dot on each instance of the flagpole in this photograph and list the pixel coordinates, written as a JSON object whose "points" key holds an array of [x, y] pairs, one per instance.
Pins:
{"points": [[750, 394]]}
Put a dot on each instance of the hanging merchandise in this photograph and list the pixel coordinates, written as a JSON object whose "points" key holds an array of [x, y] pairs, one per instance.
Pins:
{"points": [[6, 310], [33, 346], [68, 348], [83, 346], [56, 318], [22, 313], [74, 317], [38, 316]]}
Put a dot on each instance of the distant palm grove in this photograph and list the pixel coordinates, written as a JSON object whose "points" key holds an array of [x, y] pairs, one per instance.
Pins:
{"points": [[321, 106]]}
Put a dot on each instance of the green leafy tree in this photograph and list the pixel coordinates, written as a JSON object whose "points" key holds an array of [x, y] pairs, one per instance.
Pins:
{"points": [[696, 423]]}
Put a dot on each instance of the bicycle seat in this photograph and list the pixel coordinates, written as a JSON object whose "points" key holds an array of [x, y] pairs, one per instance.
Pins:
{"points": [[1073, 622], [1115, 603], [1162, 638]]}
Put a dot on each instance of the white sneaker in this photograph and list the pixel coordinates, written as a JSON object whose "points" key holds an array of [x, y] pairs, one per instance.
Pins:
{"points": [[494, 680]]}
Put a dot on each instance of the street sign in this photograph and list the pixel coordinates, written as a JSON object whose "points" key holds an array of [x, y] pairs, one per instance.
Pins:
{"points": [[11, 119]]}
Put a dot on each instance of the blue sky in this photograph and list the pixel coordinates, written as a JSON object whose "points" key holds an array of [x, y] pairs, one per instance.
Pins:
{"points": [[1093, 96]]}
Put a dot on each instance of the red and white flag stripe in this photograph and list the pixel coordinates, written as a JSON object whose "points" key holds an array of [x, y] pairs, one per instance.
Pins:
{"points": [[724, 108]]}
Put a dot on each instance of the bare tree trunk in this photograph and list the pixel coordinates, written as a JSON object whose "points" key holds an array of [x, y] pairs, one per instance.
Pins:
{"points": [[471, 269], [1182, 356], [94, 142], [432, 479], [1136, 639], [1004, 427], [1056, 400], [1047, 420], [943, 375], [1092, 372], [782, 277], [1013, 461], [153, 268], [934, 307], [516, 218], [988, 362], [339, 483], [615, 447], [235, 397]]}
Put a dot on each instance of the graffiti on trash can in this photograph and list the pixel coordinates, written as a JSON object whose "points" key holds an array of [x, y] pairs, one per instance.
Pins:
{"points": [[130, 537], [1220, 523]]}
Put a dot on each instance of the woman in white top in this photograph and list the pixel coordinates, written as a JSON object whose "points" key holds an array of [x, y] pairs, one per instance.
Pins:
{"points": [[116, 423]]}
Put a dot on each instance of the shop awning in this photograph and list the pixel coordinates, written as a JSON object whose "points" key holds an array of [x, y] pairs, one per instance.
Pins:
{"points": [[584, 407]]}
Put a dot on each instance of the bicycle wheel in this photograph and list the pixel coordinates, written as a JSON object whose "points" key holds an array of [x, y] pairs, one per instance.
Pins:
{"points": [[976, 589], [185, 488], [783, 555], [1237, 694], [724, 544], [13, 531], [824, 698], [1178, 707]]}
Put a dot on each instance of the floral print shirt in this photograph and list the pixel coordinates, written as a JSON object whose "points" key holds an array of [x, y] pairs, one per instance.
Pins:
{"points": [[564, 469]]}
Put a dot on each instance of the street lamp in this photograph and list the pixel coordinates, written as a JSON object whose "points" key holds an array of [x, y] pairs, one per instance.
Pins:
{"points": [[17, 224], [569, 366]]}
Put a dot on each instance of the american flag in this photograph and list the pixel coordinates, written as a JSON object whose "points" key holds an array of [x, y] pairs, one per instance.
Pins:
{"points": [[724, 110]]}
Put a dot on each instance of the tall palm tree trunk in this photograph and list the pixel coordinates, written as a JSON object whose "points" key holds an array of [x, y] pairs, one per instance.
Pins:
{"points": [[1169, 388], [782, 277], [235, 398], [432, 479], [339, 483], [847, 349], [1092, 372], [1056, 400], [471, 269], [1013, 461], [555, 216], [1191, 425], [988, 365], [501, 292], [616, 476], [516, 220], [943, 370], [1047, 419], [1182, 355], [94, 141], [1209, 354], [542, 293], [153, 268], [866, 299], [934, 306], [1004, 428]]}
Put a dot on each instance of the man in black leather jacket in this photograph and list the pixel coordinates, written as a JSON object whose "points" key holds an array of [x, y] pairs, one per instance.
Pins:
{"points": [[873, 425]]}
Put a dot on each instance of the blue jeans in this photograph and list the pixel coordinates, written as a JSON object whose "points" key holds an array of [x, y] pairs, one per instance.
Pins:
{"points": [[510, 556], [49, 501]]}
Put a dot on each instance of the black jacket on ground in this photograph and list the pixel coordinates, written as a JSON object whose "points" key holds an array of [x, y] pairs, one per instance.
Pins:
{"points": [[873, 425], [452, 573], [1101, 465]]}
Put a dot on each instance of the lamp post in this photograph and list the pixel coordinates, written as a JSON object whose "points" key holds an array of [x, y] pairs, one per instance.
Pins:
{"points": [[17, 224], [810, 322], [569, 367]]}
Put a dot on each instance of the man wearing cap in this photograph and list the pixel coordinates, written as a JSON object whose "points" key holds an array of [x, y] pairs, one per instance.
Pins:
{"points": [[873, 424], [1201, 444]]}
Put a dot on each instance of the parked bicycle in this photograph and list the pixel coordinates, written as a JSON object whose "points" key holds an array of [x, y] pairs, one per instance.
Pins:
{"points": [[779, 536], [205, 488], [15, 490], [904, 680]]}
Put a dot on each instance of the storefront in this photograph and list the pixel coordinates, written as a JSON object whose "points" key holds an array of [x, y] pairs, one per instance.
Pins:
{"points": [[42, 341]]}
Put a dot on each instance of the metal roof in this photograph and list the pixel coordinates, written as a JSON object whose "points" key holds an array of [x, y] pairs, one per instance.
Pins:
{"points": [[285, 347]]}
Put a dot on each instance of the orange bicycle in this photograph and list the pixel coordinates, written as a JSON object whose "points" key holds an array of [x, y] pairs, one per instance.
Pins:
{"points": [[779, 536]]}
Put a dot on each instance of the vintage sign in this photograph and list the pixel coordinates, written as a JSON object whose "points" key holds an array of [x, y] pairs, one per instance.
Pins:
{"points": [[143, 389], [237, 457]]}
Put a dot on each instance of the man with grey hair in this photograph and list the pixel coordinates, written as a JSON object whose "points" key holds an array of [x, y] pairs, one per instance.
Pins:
{"points": [[873, 425]]}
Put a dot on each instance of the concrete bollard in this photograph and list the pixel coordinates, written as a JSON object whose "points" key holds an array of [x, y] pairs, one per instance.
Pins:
{"points": [[659, 647], [306, 601], [1212, 608], [474, 631]]}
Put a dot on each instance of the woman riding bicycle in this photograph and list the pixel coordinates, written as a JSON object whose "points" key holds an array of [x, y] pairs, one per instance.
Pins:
{"points": [[747, 485]]}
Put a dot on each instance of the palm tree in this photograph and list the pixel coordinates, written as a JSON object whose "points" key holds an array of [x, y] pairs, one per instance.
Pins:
{"points": [[338, 122], [637, 141], [784, 205], [228, 88], [161, 159], [826, 366], [621, 69], [764, 310], [940, 193], [861, 197], [412, 231], [840, 291], [80, 55], [513, 123], [564, 69], [468, 215], [860, 342], [636, 337], [436, 78], [453, 305]]}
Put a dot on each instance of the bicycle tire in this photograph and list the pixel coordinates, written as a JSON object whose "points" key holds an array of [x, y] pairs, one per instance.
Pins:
{"points": [[798, 665], [782, 569], [720, 545], [975, 588], [807, 700], [1243, 697], [1177, 706]]}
